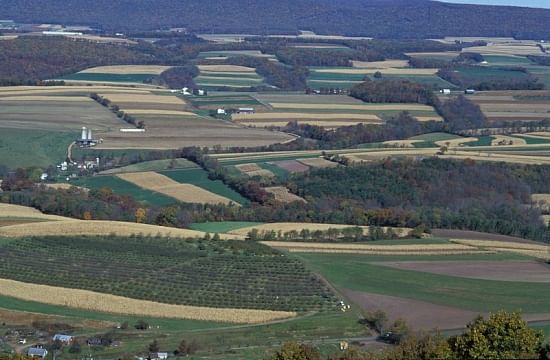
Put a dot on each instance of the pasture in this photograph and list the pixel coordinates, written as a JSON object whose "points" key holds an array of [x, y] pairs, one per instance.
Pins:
{"points": [[25, 148]]}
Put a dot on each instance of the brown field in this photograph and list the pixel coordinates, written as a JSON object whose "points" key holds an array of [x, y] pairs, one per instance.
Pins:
{"points": [[506, 49], [164, 185], [158, 112], [74, 227], [254, 170], [529, 271], [317, 163], [380, 64], [127, 69], [307, 99], [18, 221], [434, 117], [93, 301], [165, 128], [144, 98], [475, 235], [329, 124], [282, 194], [532, 250], [330, 106], [23, 318], [226, 68], [386, 71], [339, 248], [320, 116], [292, 166], [56, 115], [285, 227], [45, 98]]}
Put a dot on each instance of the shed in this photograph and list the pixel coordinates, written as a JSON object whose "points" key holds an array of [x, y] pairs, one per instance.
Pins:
{"points": [[246, 110], [469, 91], [35, 352]]}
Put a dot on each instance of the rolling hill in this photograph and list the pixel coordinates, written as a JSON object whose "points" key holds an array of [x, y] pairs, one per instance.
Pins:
{"points": [[388, 18]]}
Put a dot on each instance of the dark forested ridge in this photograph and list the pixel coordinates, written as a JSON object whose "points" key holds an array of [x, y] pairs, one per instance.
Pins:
{"points": [[388, 18]]}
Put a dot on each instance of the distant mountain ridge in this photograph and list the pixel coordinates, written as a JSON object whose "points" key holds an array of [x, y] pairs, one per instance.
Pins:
{"points": [[376, 18]]}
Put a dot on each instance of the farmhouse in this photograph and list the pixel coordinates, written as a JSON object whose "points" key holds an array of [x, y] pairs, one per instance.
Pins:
{"points": [[66, 339], [37, 352]]}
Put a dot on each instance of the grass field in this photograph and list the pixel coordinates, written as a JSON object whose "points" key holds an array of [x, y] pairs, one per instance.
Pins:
{"points": [[121, 187], [24, 148], [355, 272], [222, 226]]}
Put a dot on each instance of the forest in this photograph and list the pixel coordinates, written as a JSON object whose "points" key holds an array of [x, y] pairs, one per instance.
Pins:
{"points": [[375, 18], [29, 59]]}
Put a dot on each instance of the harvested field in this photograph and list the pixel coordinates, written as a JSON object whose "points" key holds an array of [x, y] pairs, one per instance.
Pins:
{"points": [[17, 211], [368, 107], [339, 248], [317, 163], [500, 140], [533, 250], [144, 98], [158, 112], [426, 316], [307, 99], [45, 98], [93, 301], [127, 69], [384, 71], [292, 166], [153, 165], [74, 227], [380, 64], [227, 68], [506, 49], [254, 170], [313, 116], [474, 235], [329, 124], [528, 271], [183, 192], [282, 194]]}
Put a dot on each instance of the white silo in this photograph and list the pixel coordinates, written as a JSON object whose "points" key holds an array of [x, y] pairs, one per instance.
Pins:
{"points": [[84, 133], [90, 134]]}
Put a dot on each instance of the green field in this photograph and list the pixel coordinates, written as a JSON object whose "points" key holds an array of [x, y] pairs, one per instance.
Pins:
{"points": [[199, 177], [121, 187], [481, 141], [136, 78], [24, 148], [228, 274], [357, 273], [433, 137], [222, 226], [492, 72]]}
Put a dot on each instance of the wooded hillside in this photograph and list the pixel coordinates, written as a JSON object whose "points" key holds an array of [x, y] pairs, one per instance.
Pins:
{"points": [[390, 18]]}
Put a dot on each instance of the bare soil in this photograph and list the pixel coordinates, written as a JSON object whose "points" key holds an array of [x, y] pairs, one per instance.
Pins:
{"points": [[529, 271]]}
